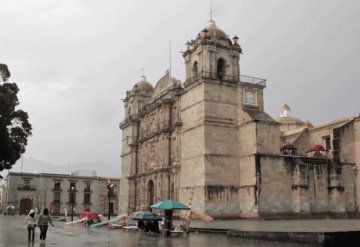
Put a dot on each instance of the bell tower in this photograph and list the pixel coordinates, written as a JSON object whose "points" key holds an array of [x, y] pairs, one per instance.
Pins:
{"points": [[209, 114], [212, 55]]}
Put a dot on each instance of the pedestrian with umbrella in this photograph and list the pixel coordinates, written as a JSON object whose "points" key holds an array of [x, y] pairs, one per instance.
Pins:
{"points": [[169, 206], [147, 221]]}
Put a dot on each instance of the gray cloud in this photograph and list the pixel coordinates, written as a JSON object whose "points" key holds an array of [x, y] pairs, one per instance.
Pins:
{"points": [[74, 61]]}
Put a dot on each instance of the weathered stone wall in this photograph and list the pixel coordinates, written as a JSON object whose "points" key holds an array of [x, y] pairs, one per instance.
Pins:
{"points": [[247, 139], [192, 107], [127, 157], [194, 195], [220, 103], [347, 147], [192, 168], [191, 177], [221, 161], [275, 195], [318, 187], [268, 138], [302, 143], [349, 183], [222, 201], [247, 186]]}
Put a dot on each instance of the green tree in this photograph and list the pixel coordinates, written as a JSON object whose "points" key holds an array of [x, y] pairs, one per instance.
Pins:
{"points": [[14, 123]]}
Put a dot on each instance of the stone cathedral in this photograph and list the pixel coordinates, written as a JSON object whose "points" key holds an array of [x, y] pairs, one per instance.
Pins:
{"points": [[208, 142]]}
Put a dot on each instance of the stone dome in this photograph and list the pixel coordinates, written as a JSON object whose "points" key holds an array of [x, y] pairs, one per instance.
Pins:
{"points": [[143, 85], [165, 83], [213, 31], [290, 120], [286, 118]]}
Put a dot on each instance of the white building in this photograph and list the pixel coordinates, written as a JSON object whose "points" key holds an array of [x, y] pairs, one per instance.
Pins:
{"points": [[25, 191]]}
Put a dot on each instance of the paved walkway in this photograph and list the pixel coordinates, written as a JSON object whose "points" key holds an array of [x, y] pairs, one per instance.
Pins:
{"points": [[13, 233], [306, 225]]}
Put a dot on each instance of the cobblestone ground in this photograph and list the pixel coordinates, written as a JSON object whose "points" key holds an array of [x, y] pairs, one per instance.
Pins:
{"points": [[13, 234]]}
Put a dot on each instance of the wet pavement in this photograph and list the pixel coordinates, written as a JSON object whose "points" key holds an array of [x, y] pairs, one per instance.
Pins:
{"points": [[303, 225], [13, 233]]}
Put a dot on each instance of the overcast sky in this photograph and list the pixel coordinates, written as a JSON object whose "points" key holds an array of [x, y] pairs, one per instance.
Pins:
{"points": [[74, 60]]}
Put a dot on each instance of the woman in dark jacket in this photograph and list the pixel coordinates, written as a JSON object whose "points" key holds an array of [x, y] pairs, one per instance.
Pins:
{"points": [[42, 222]]}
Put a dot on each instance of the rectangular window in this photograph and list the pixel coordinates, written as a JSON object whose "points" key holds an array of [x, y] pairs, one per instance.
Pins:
{"points": [[57, 185], [87, 187], [87, 198], [327, 141], [27, 184], [57, 196]]}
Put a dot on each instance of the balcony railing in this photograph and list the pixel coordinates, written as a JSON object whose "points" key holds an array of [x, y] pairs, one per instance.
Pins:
{"points": [[227, 78], [252, 80], [26, 187]]}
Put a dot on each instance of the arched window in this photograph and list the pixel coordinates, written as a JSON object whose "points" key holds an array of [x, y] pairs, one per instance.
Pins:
{"points": [[151, 192], [220, 68], [195, 69]]}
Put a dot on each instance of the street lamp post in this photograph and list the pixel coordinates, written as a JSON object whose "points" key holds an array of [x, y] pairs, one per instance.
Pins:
{"points": [[109, 186], [72, 202], [45, 197]]}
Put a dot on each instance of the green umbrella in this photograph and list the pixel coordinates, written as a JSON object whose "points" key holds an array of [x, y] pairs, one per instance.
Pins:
{"points": [[169, 205], [147, 216]]}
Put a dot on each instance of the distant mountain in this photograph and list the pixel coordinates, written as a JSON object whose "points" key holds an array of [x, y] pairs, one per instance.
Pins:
{"points": [[31, 165]]}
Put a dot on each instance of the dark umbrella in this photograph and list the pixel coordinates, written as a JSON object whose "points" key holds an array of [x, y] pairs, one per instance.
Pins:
{"points": [[146, 216], [169, 206]]}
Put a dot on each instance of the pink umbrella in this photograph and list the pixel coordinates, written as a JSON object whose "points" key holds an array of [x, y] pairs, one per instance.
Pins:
{"points": [[89, 215]]}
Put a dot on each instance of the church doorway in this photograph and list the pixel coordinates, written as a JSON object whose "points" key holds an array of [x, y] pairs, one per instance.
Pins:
{"points": [[25, 206], [151, 192]]}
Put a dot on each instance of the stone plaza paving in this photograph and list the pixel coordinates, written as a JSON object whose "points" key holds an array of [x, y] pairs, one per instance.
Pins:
{"points": [[13, 234], [304, 225]]}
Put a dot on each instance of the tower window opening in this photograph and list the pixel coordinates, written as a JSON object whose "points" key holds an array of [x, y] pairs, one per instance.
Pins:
{"points": [[220, 68], [195, 69]]}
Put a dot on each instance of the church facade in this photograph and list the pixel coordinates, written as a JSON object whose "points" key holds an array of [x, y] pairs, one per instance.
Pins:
{"points": [[208, 142]]}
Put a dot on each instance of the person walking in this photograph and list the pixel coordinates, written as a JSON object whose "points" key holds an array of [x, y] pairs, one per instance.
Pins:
{"points": [[43, 220], [30, 224], [65, 213]]}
